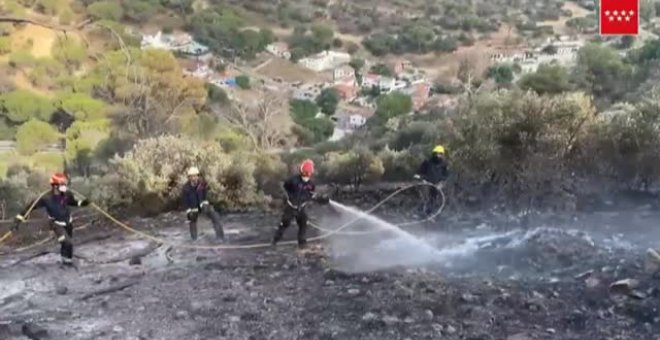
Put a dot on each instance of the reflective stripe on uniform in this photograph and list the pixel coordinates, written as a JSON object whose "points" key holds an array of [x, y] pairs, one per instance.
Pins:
{"points": [[204, 203], [192, 210], [61, 239], [60, 223]]}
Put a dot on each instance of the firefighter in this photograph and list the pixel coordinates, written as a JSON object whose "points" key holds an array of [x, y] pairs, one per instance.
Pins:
{"points": [[300, 190], [57, 202], [194, 196], [433, 170]]}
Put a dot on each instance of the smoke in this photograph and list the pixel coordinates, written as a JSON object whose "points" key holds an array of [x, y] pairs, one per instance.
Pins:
{"points": [[370, 243], [367, 243]]}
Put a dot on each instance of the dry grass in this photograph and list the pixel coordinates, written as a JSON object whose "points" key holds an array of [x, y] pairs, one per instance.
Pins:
{"points": [[290, 72]]}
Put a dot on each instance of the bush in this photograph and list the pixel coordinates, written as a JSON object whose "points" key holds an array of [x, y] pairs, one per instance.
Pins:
{"points": [[22, 105], [517, 146], [47, 161], [243, 82], [35, 134], [106, 10], [152, 174], [399, 165], [20, 186], [82, 106], [5, 45], [21, 58], [356, 167]]}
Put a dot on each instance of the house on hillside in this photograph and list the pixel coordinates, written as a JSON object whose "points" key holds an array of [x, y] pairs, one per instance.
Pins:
{"points": [[325, 60], [279, 49], [339, 74], [195, 68], [348, 120], [385, 84], [419, 93], [348, 92], [180, 42], [399, 65]]}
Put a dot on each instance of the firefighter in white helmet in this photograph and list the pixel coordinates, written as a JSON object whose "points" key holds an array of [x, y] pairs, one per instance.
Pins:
{"points": [[194, 196]]}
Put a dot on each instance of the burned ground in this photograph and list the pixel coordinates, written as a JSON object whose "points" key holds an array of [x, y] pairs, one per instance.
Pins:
{"points": [[550, 282]]}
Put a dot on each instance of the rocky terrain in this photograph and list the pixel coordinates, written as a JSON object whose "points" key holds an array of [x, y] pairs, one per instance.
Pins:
{"points": [[584, 278]]}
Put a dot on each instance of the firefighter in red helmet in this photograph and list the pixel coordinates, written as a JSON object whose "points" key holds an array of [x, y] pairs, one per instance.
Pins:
{"points": [[300, 190], [57, 203]]}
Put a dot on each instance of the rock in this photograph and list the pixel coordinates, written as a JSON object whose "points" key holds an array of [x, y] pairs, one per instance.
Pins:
{"points": [[592, 282], [469, 298], [450, 329], [409, 320], [390, 320], [624, 286], [118, 329], [637, 295], [234, 318], [369, 317], [551, 331], [353, 291], [519, 336], [584, 274], [34, 331], [135, 261], [182, 314], [61, 290], [428, 314]]}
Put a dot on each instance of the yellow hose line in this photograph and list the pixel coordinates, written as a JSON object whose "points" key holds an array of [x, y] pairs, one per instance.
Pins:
{"points": [[27, 213]]}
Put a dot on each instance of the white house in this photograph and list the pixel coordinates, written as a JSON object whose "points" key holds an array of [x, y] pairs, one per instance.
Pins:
{"points": [[183, 43], [355, 121], [326, 60], [279, 49], [385, 84], [342, 72]]}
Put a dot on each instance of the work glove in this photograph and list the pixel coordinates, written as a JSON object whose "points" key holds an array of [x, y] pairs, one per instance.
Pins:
{"points": [[204, 203], [84, 202], [440, 185], [192, 214], [321, 199], [17, 223], [417, 177]]}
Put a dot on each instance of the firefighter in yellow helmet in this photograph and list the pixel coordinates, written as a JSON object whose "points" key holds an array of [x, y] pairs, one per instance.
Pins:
{"points": [[194, 196], [434, 170]]}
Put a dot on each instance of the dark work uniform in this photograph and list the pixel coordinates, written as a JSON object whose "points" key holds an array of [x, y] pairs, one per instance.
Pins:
{"points": [[433, 170], [57, 208], [299, 194], [194, 197]]}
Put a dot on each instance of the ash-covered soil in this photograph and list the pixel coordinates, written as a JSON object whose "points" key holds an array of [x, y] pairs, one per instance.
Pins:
{"points": [[550, 282]]}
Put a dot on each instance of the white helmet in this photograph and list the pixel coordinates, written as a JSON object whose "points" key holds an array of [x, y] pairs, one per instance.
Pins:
{"points": [[193, 171]]}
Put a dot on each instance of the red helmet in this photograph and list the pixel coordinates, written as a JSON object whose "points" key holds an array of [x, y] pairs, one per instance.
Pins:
{"points": [[59, 179], [307, 168]]}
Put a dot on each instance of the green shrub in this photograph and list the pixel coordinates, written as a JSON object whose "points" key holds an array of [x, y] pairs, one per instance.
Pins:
{"points": [[105, 10], [22, 105], [33, 135], [21, 58], [356, 167], [154, 171], [399, 165], [47, 161], [5, 45]]}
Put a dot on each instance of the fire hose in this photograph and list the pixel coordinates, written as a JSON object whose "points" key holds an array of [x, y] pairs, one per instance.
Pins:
{"points": [[327, 232]]}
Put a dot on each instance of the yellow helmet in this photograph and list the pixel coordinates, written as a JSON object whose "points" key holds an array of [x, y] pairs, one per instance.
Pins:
{"points": [[439, 149], [193, 171]]}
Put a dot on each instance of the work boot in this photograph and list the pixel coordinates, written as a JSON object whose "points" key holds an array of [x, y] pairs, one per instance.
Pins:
{"points": [[66, 262], [302, 244]]}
